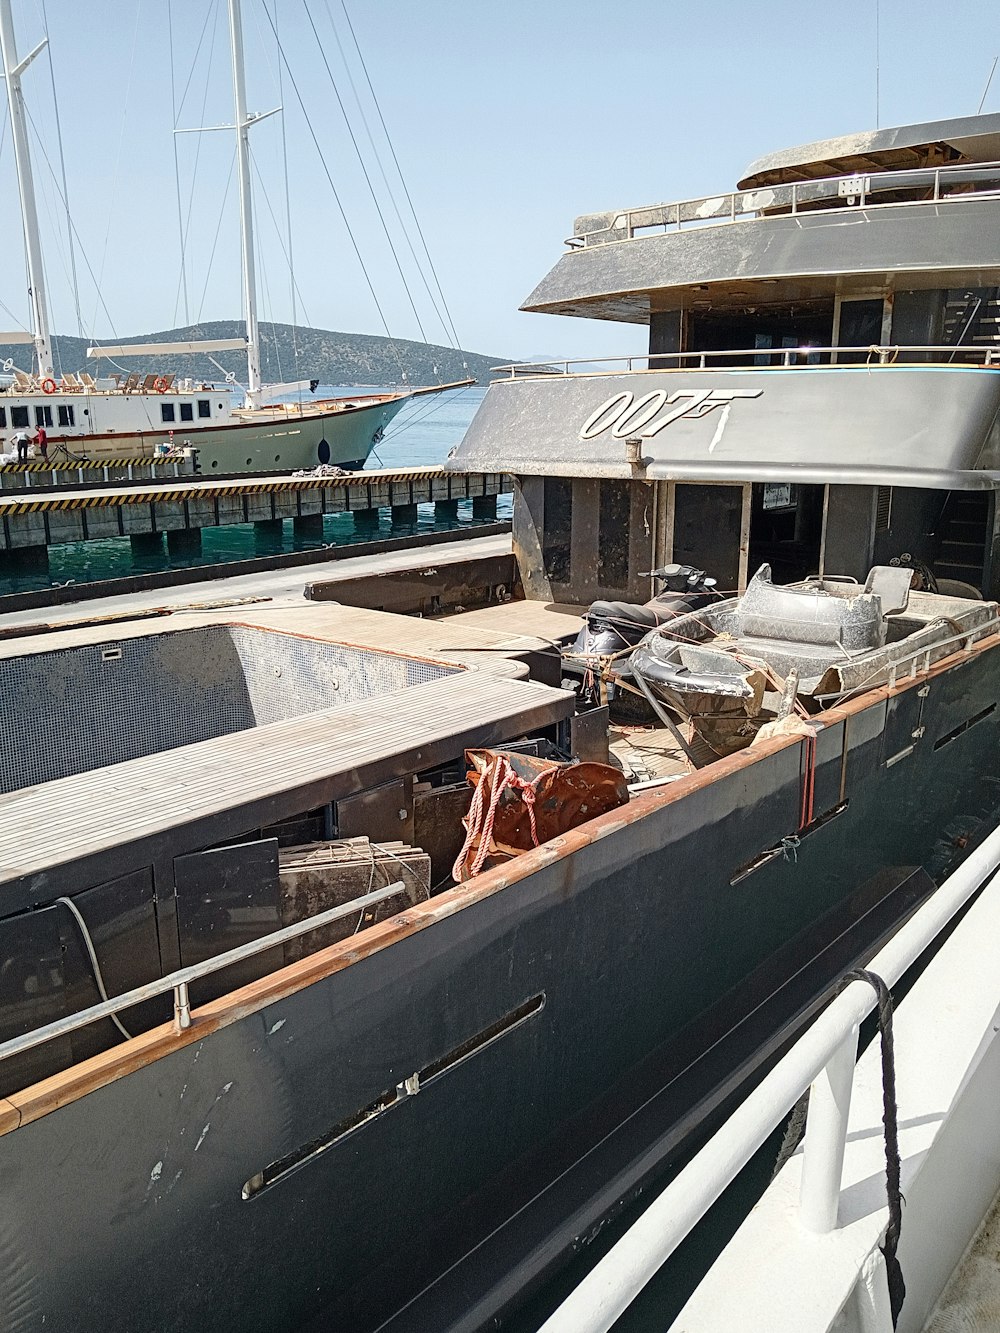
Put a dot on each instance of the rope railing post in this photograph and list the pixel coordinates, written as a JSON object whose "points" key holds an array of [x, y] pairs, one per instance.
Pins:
{"points": [[826, 1138]]}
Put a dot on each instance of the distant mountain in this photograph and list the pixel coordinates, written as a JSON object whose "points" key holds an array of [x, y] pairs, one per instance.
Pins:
{"points": [[286, 354]]}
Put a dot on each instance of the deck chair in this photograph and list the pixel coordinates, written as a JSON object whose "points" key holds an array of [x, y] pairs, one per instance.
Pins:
{"points": [[22, 380], [89, 382], [148, 384], [130, 384], [167, 381]]}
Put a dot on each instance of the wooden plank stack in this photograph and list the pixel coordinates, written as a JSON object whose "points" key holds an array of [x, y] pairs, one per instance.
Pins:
{"points": [[320, 875]]}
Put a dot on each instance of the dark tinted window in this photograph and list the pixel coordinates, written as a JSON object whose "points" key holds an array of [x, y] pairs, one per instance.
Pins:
{"points": [[65, 412], [166, 411], [187, 412], [19, 416], [204, 407], [860, 327], [613, 535], [3, 417], [558, 504], [43, 415]]}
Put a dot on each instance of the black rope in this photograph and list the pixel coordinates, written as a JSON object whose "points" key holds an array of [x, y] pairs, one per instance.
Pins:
{"points": [[894, 1273], [793, 1133]]}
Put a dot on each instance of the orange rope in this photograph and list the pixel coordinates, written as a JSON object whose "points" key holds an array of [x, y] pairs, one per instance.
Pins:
{"points": [[479, 822]]}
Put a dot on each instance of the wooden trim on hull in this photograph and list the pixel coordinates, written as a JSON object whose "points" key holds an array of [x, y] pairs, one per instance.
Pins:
{"points": [[38, 1100]]}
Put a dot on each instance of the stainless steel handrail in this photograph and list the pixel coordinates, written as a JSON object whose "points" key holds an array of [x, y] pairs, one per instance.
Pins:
{"points": [[180, 980], [761, 200], [790, 357], [965, 638]]}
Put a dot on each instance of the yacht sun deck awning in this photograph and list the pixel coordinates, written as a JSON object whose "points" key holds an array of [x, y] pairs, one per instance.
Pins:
{"points": [[167, 349]]}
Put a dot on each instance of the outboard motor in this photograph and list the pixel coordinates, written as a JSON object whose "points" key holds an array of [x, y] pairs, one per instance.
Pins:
{"points": [[612, 628]]}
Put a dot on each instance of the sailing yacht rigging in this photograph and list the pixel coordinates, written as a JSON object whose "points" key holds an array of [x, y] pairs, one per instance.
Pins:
{"points": [[140, 416]]}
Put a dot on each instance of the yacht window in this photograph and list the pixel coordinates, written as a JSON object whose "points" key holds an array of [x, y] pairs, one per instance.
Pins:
{"points": [[558, 523], [204, 407], [3, 417], [65, 414], [187, 411], [613, 534], [166, 411], [43, 415], [18, 416], [762, 340]]}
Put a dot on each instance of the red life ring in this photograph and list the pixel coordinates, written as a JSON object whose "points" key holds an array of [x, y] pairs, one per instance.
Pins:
{"points": [[160, 385], [48, 386]]}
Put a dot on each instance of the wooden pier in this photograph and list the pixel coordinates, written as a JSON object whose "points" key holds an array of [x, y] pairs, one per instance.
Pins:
{"points": [[179, 508]]}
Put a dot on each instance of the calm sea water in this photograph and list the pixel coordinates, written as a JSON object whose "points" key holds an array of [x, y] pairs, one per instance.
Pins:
{"points": [[423, 432]]}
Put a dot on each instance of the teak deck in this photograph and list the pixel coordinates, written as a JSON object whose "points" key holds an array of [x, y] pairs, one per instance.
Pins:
{"points": [[121, 817]]}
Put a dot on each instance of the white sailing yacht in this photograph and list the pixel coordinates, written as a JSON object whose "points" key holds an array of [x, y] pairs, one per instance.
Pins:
{"points": [[129, 416]]}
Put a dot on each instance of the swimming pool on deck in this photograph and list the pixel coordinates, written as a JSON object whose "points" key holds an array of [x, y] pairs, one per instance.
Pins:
{"points": [[81, 708]]}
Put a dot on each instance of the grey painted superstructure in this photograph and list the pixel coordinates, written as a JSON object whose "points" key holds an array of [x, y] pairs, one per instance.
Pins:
{"points": [[823, 349]]}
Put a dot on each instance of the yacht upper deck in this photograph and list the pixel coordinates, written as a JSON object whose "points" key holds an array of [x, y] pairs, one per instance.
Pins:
{"points": [[913, 208], [858, 190]]}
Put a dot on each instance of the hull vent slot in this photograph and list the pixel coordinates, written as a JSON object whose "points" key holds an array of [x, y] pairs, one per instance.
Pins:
{"points": [[392, 1098]]}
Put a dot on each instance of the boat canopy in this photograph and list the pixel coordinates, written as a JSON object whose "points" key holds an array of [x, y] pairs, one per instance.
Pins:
{"points": [[934, 143], [166, 349]]}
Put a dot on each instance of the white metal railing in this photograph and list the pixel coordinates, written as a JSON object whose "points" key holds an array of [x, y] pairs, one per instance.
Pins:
{"points": [[179, 981], [824, 1058], [929, 185], [760, 358], [920, 658]]}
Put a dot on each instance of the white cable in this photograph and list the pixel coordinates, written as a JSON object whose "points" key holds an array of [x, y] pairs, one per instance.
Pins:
{"points": [[98, 977]]}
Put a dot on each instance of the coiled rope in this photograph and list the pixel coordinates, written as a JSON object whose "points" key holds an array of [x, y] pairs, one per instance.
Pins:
{"points": [[499, 776]]}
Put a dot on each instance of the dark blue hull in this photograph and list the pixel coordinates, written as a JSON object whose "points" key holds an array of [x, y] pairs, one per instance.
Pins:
{"points": [[571, 1031]]}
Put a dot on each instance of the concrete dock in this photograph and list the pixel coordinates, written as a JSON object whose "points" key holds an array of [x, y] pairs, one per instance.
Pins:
{"points": [[278, 589], [180, 508]]}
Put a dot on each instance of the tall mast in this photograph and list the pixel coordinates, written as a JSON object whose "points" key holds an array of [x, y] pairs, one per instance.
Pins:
{"points": [[246, 204], [26, 186]]}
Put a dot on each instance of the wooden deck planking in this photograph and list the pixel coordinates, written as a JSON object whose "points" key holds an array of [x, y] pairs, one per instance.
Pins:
{"points": [[105, 811]]}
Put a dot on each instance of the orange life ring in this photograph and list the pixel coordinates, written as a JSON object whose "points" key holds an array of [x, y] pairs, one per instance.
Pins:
{"points": [[48, 386], [160, 384]]}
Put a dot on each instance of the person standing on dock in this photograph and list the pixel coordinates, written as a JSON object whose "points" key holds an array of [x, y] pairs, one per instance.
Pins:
{"points": [[42, 440], [20, 439]]}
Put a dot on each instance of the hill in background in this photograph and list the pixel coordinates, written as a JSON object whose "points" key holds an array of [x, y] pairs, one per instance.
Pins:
{"points": [[286, 354]]}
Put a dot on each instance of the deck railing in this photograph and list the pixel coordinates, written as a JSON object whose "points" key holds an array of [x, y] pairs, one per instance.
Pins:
{"points": [[761, 358], [180, 981], [824, 1059], [927, 185]]}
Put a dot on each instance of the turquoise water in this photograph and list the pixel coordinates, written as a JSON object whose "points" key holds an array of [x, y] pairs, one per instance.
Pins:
{"points": [[422, 433]]}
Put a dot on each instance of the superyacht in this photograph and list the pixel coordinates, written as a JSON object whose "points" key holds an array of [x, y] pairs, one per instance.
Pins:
{"points": [[359, 967]]}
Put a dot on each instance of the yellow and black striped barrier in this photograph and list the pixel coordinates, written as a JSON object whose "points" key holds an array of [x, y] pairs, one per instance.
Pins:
{"points": [[56, 464], [206, 488]]}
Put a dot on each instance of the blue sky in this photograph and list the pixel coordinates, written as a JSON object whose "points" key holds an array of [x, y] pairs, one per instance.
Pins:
{"points": [[508, 118]]}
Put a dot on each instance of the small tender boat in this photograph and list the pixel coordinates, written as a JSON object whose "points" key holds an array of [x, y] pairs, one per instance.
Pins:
{"points": [[736, 665]]}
